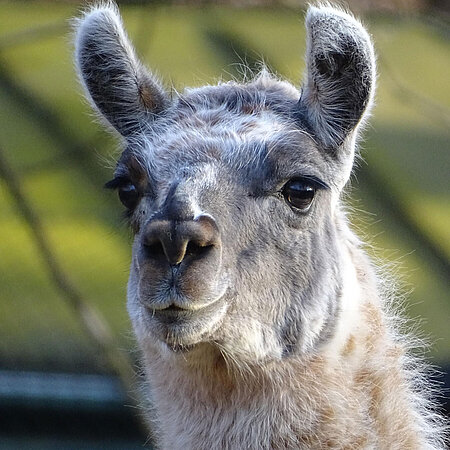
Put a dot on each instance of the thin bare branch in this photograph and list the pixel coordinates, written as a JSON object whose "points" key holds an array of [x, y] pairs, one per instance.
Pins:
{"points": [[92, 321]]}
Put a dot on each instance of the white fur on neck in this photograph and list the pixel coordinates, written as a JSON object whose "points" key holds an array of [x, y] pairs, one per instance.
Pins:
{"points": [[350, 306]]}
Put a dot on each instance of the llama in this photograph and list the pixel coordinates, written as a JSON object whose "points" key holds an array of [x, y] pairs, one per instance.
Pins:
{"points": [[258, 314]]}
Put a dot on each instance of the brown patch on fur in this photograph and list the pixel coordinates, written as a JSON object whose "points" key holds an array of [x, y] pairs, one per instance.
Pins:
{"points": [[147, 97], [248, 108], [359, 443], [349, 346], [307, 440], [331, 443], [376, 326], [328, 414], [376, 394], [362, 376], [373, 315], [380, 387], [373, 385]]}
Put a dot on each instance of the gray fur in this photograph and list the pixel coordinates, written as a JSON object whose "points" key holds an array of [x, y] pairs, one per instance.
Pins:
{"points": [[258, 322]]}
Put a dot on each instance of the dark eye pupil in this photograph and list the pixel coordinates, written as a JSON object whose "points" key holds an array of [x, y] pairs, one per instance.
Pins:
{"points": [[129, 196], [299, 194]]}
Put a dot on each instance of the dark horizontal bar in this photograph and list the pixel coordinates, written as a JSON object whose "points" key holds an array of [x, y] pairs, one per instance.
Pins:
{"points": [[59, 389], [66, 411]]}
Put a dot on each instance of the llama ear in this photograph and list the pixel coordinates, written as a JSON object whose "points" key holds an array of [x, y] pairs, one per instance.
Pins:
{"points": [[117, 84], [340, 74]]}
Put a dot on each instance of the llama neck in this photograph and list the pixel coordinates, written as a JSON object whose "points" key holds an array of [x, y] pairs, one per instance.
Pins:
{"points": [[199, 391], [295, 403], [298, 401]]}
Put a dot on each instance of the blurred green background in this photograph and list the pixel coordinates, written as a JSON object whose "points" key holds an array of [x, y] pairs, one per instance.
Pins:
{"points": [[399, 196]]}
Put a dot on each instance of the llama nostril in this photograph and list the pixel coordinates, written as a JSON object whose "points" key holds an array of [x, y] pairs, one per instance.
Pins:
{"points": [[175, 241], [195, 249], [154, 249], [163, 248]]}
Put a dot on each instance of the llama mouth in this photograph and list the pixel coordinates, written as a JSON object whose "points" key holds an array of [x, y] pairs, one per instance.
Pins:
{"points": [[182, 328], [174, 312], [177, 305], [173, 308]]}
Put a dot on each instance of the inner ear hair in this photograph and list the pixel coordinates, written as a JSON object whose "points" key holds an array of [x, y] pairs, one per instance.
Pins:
{"points": [[340, 75]]}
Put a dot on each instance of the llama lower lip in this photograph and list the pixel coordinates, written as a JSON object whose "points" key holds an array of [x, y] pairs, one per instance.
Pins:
{"points": [[173, 308], [175, 314], [172, 314], [178, 317]]}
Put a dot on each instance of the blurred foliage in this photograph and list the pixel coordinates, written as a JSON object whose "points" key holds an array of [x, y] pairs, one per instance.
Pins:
{"points": [[63, 158]]}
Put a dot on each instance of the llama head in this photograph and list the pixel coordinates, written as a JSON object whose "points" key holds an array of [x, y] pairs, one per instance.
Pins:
{"points": [[232, 190]]}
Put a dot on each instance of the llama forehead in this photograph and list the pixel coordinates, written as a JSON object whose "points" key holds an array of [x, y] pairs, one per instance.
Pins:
{"points": [[243, 128], [256, 150]]}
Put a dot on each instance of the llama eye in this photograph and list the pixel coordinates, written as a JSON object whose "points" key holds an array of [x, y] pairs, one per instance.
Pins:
{"points": [[299, 194], [129, 196]]}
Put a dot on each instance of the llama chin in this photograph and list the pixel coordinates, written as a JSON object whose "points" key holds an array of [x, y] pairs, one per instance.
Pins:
{"points": [[255, 307]]}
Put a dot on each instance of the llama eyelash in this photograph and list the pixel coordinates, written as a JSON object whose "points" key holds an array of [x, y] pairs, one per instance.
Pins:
{"points": [[315, 181], [117, 182]]}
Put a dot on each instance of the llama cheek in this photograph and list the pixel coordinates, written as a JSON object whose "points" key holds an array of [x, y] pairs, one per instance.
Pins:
{"points": [[132, 289]]}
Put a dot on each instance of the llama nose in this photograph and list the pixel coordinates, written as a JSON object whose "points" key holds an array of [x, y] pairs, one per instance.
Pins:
{"points": [[176, 241]]}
